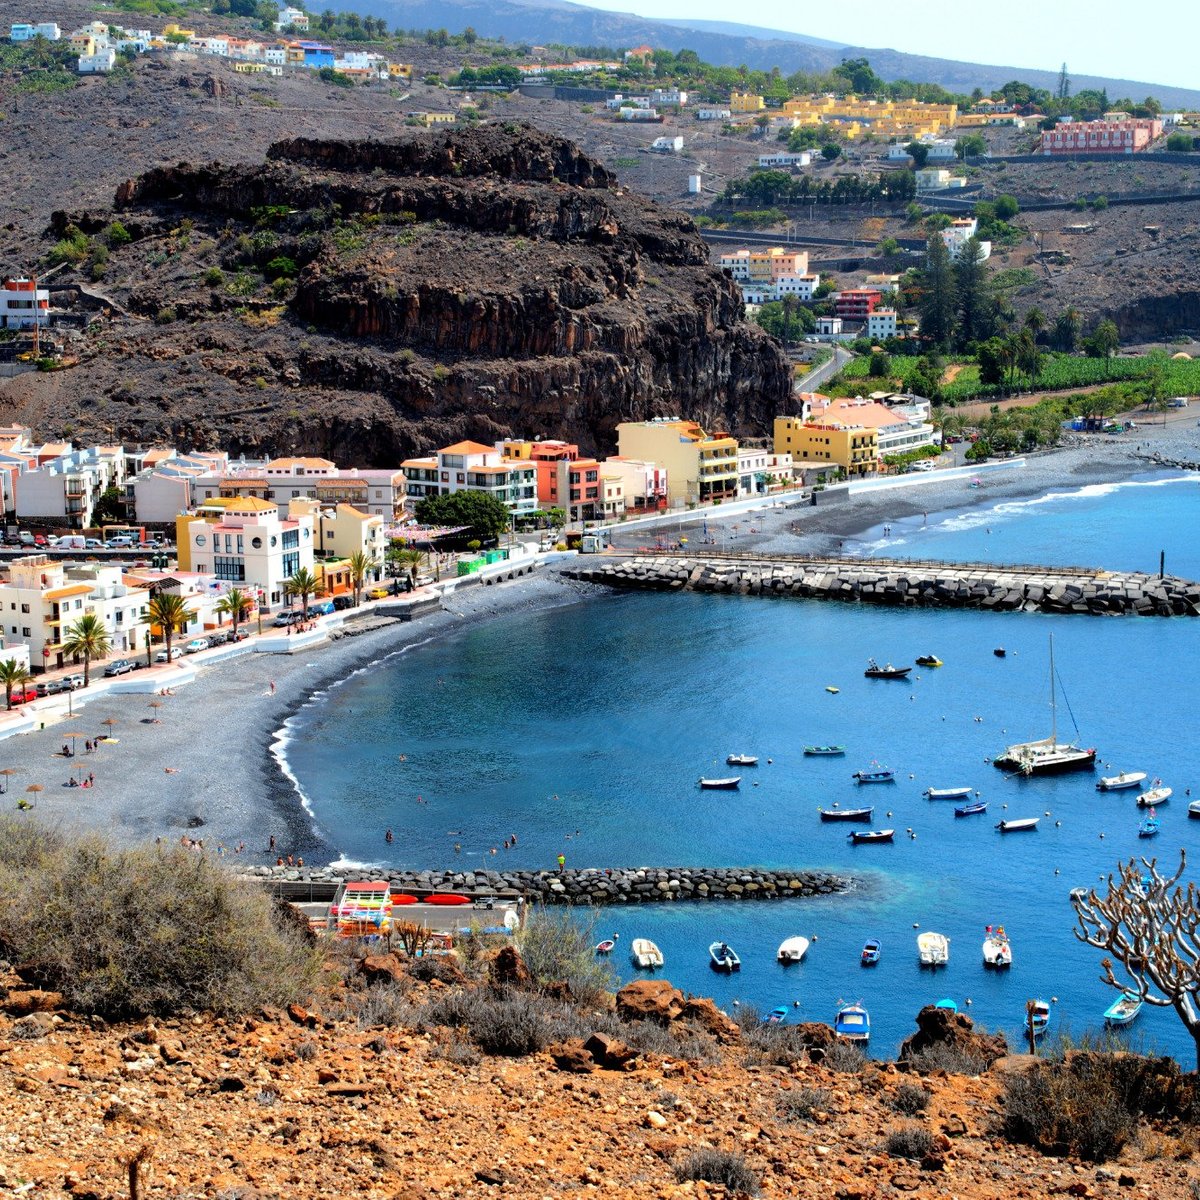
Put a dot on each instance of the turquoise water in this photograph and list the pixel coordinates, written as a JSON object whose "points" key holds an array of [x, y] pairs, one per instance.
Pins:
{"points": [[584, 729]]}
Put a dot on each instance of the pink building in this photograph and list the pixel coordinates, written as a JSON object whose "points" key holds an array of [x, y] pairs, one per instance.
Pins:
{"points": [[1101, 137]]}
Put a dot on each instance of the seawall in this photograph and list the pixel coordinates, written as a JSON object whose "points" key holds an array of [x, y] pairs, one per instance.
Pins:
{"points": [[905, 583]]}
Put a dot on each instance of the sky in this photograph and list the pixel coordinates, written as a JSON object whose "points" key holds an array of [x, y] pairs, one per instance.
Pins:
{"points": [[1094, 37]]}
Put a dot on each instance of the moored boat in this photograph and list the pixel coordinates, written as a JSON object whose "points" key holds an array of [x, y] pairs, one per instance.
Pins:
{"points": [[870, 952], [954, 793], [859, 836], [741, 760], [933, 949], [875, 671], [1154, 796], [845, 814], [726, 785], [607, 946], [792, 950], [1019, 825], [1194, 809], [971, 810], [1148, 826], [777, 1015], [645, 954], [723, 957], [1123, 1010], [997, 952], [948, 1004], [852, 1024], [1118, 783], [1039, 1018], [875, 774], [810, 751], [999, 652], [929, 660]]}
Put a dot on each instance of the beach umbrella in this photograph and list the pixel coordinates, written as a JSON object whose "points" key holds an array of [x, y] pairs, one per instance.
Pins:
{"points": [[8, 773], [110, 722], [156, 705]]}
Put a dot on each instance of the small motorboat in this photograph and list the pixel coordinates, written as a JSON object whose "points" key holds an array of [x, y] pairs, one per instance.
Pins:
{"points": [[741, 760], [845, 814], [870, 952], [1039, 1018], [1123, 1010], [1019, 825], [792, 950], [1148, 826], [726, 785], [645, 954], [1155, 796], [832, 690], [875, 774], [955, 793], [606, 947], [723, 957], [996, 949], [852, 1024], [933, 949], [948, 1004], [971, 810], [777, 1015], [1000, 652], [1194, 809], [1118, 783], [859, 836], [875, 671], [825, 750], [929, 660]]}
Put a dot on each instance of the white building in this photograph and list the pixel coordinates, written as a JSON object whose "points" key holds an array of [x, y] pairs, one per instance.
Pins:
{"points": [[23, 304], [639, 114], [830, 328], [26, 33], [99, 63], [295, 17], [713, 114], [669, 97], [667, 145], [898, 152], [767, 161], [275, 56], [881, 324], [940, 150], [122, 606], [620, 101], [66, 487], [472, 466], [960, 231], [938, 179], [643, 484]]}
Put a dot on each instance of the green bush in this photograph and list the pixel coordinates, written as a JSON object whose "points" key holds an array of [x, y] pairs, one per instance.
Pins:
{"points": [[115, 234], [280, 267], [74, 247], [723, 1167], [132, 932], [559, 949], [214, 277]]}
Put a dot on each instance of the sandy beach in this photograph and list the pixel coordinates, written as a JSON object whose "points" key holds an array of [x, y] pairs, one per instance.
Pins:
{"points": [[201, 766]]}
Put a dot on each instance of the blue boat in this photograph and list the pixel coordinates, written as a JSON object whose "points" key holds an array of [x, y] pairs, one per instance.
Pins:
{"points": [[1148, 826], [948, 1004], [870, 952], [853, 1024], [876, 774], [970, 810], [777, 1015], [1123, 1010], [1039, 1018]]}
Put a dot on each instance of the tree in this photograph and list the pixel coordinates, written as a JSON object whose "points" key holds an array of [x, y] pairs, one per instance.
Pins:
{"points": [[1150, 926], [970, 146], [1103, 342], [408, 560], [1068, 326], [88, 638], [485, 516], [1035, 321], [937, 303], [918, 152], [976, 307], [1063, 91], [360, 565], [235, 604], [1028, 358], [303, 584], [171, 614], [785, 319], [13, 675], [889, 247], [109, 508], [1006, 207], [880, 364], [830, 151], [991, 357]]}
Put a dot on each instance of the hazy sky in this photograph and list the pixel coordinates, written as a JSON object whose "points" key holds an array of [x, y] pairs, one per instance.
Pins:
{"points": [[1095, 37]]}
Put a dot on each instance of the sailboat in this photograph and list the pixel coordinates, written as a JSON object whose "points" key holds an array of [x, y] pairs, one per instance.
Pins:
{"points": [[1048, 756]]}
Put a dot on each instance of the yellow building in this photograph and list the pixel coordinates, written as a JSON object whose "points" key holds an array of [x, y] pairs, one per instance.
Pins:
{"points": [[211, 511], [746, 102], [343, 531], [174, 30], [853, 448], [400, 70], [434, 118], [885, 117], [700, 467]]}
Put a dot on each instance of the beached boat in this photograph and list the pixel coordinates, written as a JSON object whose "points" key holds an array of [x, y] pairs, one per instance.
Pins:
{"points": [[955, 793], [726, 785], [996, 949], [859, 836], [1047, 756], [875, 774], [1118, 783], [875, 671], [1019, 825], [1039, 1018], [845, 814], [723, 957], [933, 949], [792, 950], [1123, 1010], [1148, 826], [645, 954], [606, 947], [929, 660], [1155, 796], [870, 952], [852, 1024], [777, 1015], [402, 898], [971, 810], [451, 899], [741, 760], [825, 750]]}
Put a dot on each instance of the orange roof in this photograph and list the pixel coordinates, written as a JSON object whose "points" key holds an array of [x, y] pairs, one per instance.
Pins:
{"points": [[299, 462], [848, 412], [467, 448], [70, 589], [250, 504]]}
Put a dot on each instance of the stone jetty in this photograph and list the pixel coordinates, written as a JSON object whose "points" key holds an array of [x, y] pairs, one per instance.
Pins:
{"points": [[905, 583], [587, 885]]}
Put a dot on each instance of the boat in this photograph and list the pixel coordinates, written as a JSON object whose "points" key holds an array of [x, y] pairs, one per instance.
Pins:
{"points": [[1000, 652], [832, 690], [933, 949], [727, 785], [971, 810], [741, 760], [403, 898], [825, 750], [875, 671], [1019, 825], [724, 958], [1123, 1010], [929, 660], [1118, 783], [1039, 1018], [996, 949], [845, 814], [870, 952], [852, 1024], [1154, 796], [1047, 756], [948, 1004], [1148, 826], [645, 954], [792, 950], [957, 793], [777, 1015], [871, 835], [876, 774], [606, 947], [1194, 809], [447, 898]]}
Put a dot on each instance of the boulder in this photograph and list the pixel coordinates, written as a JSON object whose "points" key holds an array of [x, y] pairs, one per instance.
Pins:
{"points": [[609, 1052], [381, 968], [573, 1056], [508, 969], [649, 999], [20, 1003], [940, 1027], [708, 1016]]}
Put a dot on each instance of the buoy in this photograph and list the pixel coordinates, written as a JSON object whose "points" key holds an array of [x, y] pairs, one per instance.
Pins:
{"points": [[1057, 825], [889, 812], [795, 1003], [1056, 870], [911, 775], [737, 1004], [1046, 813], [814, 938], [769, 761], [1004, 806], [1102, 839], [916, 925], [1053, 999], [969, 1001]]}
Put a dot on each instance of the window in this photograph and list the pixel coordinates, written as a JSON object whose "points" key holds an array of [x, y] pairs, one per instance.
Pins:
{"points": [[200, 540], [291, 539], [255, 542], [24, 608], [291, 564], [232, 569], [24, 631]]}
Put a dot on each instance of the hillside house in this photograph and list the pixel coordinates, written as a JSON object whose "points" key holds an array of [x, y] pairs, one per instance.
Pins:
{"points": [[23, 304], [713, 114], [26, 33], [1099, 137], [296, 18], [786, 161], [960, 231]]}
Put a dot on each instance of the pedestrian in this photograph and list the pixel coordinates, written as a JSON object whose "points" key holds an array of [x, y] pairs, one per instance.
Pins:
{"points": [[562, 863], [272, 687], [271, 844], [513, 838], [291, 862], [91, 780], [300, 862]]}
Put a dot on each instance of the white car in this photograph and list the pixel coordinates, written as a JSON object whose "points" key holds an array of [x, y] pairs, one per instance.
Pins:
{"points": [[195, 645]]}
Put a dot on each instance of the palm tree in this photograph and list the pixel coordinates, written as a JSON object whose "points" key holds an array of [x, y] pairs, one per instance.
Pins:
{"points": [[171, 614], [410, 560], [88, 638], [360, 565], [13, 674], [302, 584], [236, 604]]}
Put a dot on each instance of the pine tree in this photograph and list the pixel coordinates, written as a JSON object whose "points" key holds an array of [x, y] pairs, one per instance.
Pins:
{"points": [[1064, 84], [937, 304], [976, 307]]}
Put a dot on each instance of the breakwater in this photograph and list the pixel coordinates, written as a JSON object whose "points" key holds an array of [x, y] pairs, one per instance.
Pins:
{"points": [[905, 583], [587, 885]]}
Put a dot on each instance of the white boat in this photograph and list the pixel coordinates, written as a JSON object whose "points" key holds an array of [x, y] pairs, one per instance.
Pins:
{"points": [[1194, 809], [933, 949], [1118, 783], [1047, 756], [741, 760], [1019, 825], [996, 949], [792, 950], [1154, 797], [645, 954], [958, 793], [722, 784]]}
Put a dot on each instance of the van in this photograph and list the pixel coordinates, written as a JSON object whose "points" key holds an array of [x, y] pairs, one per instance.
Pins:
{"points": [[72, 541], [120, 543]]}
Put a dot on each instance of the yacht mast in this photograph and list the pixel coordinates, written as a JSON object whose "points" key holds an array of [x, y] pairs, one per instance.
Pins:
{"points": [[1053, 701]]}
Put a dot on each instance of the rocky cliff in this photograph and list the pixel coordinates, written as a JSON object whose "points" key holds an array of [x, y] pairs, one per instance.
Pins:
{"points": [[370, 299]]}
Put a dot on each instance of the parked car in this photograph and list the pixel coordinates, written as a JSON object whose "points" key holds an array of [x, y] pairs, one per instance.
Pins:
{"points": [[379, 593], [322, 608], [341, 603], [291, 617], [25, 537], [119, 666], [72, 683], [196, 645], [46, 687], [52, 539], [93, 544], [39, 539], [240, 636], [161, 656], [218, 637], [30, 693]]}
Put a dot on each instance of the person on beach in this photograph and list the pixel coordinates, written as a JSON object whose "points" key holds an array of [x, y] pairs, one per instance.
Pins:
{"points": [[562, 863], [271, 844]]}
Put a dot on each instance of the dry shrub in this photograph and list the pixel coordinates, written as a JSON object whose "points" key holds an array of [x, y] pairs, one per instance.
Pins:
{"points": [[131, 932], [951, 1059], [722, 1167], [846, 1058], [910, 1099], [558, 947], [909, 1141], [799, 1104]]}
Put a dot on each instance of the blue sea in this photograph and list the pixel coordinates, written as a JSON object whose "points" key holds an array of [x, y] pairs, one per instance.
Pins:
{"points": [[583, 730]]}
